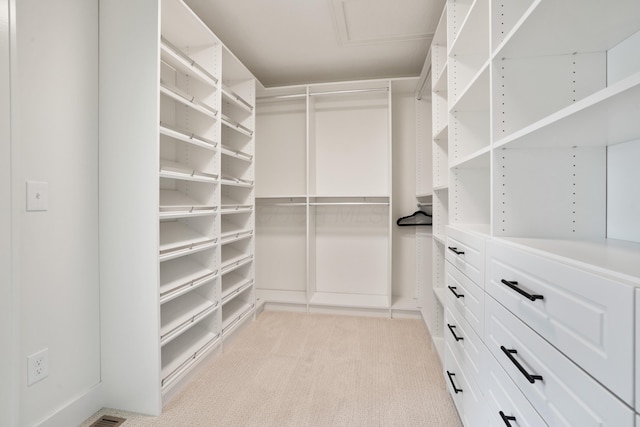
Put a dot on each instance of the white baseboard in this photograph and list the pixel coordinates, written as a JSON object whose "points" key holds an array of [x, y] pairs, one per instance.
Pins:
{"points": [[77, 410]]}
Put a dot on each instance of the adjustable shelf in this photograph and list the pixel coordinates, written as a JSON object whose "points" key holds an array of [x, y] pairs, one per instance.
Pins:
{"points": [[233, 125], [188, 137], [227, 151], [185, 351], [230, 205], [188, 100], [177, 239], [233, 257], [237, 182], [236, 309], [180, 314], [173, 56], [175, 170], [182, 275], [230, 96], [175, 204], [234, 283]]}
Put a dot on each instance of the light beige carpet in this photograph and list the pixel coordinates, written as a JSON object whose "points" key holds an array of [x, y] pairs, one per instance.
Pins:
{"points": [[295, 369]]}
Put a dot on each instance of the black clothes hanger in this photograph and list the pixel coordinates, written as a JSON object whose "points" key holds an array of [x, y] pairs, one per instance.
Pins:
{"points": [[416, 218]]}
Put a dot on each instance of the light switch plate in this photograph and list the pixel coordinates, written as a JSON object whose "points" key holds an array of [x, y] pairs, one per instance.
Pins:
{"points": [[37, 196]]}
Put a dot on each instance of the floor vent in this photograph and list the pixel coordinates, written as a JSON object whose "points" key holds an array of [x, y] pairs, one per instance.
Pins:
{"points": [[108, 421]]}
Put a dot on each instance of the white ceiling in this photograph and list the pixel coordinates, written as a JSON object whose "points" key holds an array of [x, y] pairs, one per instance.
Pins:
{"points": [[287, 42]]}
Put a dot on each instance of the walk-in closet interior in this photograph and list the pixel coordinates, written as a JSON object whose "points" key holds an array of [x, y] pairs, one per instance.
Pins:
{"points": [[169, 177]]}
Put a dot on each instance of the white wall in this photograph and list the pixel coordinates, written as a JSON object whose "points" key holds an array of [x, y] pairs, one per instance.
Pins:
{"points": [[56, 271], [7, 404], [404, 191]]}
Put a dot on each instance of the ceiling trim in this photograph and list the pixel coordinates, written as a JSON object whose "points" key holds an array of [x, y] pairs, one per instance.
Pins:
{"points": [[342, 30]]}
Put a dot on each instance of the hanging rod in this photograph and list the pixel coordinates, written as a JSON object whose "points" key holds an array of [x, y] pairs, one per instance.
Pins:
{"points": [[420, 204], [348, 203], [336, 92], [297, 95]]}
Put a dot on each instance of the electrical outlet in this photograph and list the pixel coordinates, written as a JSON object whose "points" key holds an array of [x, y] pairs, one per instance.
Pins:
{"points": [[37, 366]]}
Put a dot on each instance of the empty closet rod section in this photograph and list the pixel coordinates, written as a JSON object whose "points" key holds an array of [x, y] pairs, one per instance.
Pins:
{"points": [[335, 92], [338, 92], [349, 204]]}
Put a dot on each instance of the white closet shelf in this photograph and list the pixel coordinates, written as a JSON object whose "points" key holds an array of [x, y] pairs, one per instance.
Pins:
{"points": [[441, 135], [233, 312], [236, 154], [232, 258], [179, 315], [231, 124], [349, 300], [481, 230], [236, 99], [237, 182], [478, 160], [473, 34], [475, 96], [348, 200], [235, 235], [188, 100], [176, 58], [183, 352], [233, 285], [614, 25], [607, 117], [188, 137], [174, 204], [176, 239], [440, 238], [616, 259], [175, 170], [443, 187], [441, 82], [182, 275]]}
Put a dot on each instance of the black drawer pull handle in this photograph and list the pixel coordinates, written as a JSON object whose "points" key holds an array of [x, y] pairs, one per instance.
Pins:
{"points": [[455, 250], [454, 333], [528, 376], [455, 389], [514, 285], [453, 291], [507, 418]]}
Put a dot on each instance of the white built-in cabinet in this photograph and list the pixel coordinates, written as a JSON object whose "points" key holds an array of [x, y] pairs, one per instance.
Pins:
{"points": [[177, 198], [324, 196], [536, 239]]}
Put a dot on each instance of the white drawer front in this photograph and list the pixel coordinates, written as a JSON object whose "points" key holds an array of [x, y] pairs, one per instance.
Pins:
{"points": [[504, 399], [466, 252], [465, 344], [466, 297], [562, 393], [587, 317], [464, 391]]}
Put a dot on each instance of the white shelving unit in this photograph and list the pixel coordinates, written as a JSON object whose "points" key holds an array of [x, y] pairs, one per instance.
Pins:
{"points": [[177, 157], [535, 156], [328, 212]]}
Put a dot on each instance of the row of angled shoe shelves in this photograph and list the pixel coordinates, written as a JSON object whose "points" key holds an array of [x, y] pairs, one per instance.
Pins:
{"points": [[205, 211]]}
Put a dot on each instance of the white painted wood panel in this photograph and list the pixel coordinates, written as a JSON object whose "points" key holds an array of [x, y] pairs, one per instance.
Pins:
{"points": [[466, 252], [465, 296]]}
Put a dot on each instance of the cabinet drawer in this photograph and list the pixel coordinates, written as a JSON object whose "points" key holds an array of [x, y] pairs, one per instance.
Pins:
{"points": [[587, 317], [465, 344], [466, 252], [464, 391], [561, 392], [466, 297], [504, 399]]}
